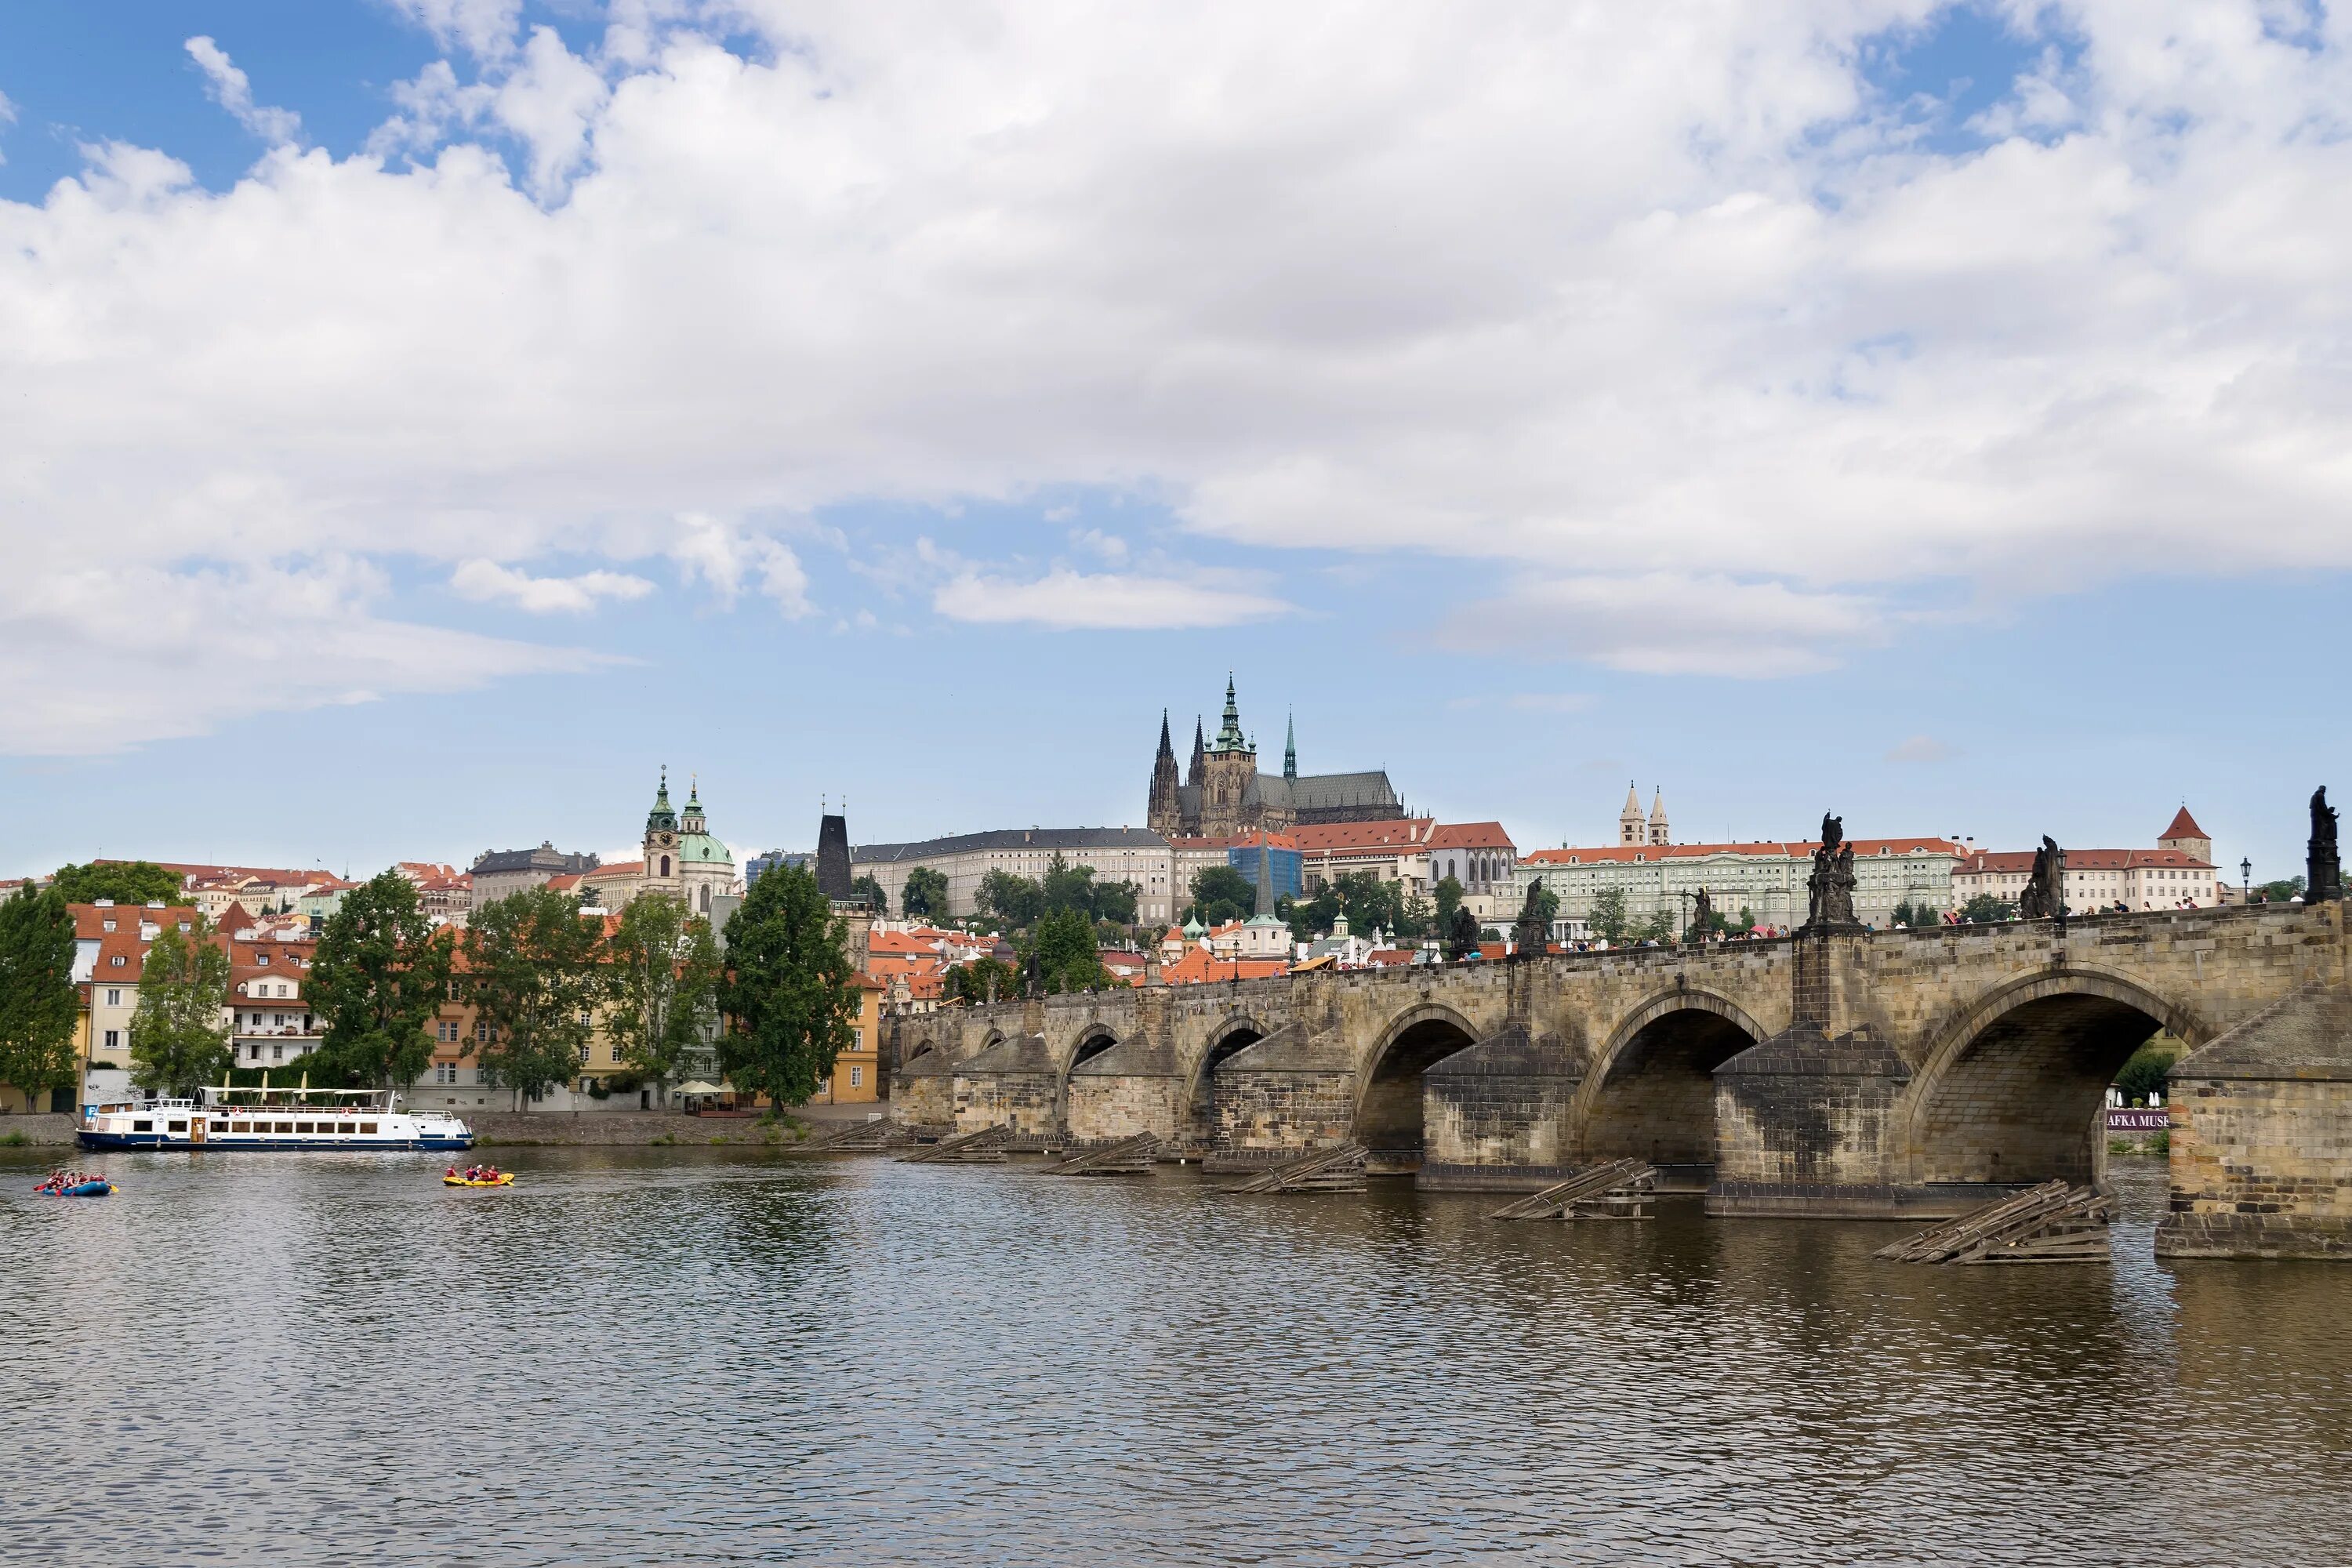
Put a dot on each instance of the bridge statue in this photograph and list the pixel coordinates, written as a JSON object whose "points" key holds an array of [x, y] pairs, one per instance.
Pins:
{"points": [[2044, 897], [2322, 872], [1833, 882], [1531, 936], [1702, 914]]}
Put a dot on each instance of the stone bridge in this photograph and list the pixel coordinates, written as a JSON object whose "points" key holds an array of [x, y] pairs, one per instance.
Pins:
{"points": [[1875, 1073]]}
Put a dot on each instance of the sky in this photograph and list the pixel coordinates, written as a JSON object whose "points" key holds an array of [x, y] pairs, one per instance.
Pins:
{"points": [[423, 420]]}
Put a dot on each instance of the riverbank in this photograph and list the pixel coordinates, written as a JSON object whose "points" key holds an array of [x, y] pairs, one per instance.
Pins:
{"points": [[42, 1129]]}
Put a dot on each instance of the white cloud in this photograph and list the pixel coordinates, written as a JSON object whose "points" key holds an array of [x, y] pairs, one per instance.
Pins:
{"points": [[1594, 293], [488, 580], [1666, 623], [230, 90], [724, 558], [483, 28], [1076, 600], [1920, 749], [99, 660]]}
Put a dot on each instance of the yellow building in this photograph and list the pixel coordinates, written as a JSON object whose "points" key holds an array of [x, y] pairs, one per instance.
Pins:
{"points": [[857, 1072]]}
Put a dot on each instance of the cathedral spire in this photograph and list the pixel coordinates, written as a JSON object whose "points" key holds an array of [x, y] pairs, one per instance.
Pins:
{"points": [[1200, 751], [1229, 734], [1164, 809], [1290, 748]]}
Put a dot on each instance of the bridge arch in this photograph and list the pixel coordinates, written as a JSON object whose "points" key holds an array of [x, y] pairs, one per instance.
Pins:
{"points": [[1390, 1093], [1228, 1038], [1091, 1041], [1649, 1092], [2011, 1091]]}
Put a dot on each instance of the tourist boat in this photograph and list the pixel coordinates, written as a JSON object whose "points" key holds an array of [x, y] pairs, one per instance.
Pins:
{"points": [[503, 1179], [265, 1118]]}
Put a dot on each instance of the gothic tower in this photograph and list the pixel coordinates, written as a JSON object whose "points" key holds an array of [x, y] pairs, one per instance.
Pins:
{"points": [[1163, 812], [1200, 754], [1630, 827], [1290, 751], [1658, 833], [1227, 774]]}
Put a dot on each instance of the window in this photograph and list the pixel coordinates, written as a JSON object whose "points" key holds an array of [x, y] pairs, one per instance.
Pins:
{"points": [[262, 959], [277, 1053], [583, 1059], [113, 1039], [856, 1077], [366, 1127], [177, 1127], [257, 1052], [143, 1127], [116, 961], [114, 998]]}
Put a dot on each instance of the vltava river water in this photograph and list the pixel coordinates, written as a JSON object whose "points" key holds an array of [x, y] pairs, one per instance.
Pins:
{"points": [[688, 1356]]}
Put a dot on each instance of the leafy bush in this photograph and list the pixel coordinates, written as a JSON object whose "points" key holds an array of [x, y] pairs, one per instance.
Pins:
{"points": [[2149, 1069]]}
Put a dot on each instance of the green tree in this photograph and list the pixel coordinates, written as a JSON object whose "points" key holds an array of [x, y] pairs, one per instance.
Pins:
{"points": [[37, 1004], [124, 881], [1609, 919], [179, 1032], [533, 973], [1220, 894], [661, 977], [982, 980], [1461, 934], [1115, 901], [1067, 960], [1016, 901], [1066, 887], [377, 980], [873, 893], [1415, 918], [1907, 913], [925, 895], [1449, 898], [1988, 908], [789, 1001], [1747, 921], [2279, 892], [1658, 928], [2148, 1070]]}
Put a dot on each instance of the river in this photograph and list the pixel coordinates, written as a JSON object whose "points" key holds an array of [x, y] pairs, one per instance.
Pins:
{"points": [[662, 1356]]}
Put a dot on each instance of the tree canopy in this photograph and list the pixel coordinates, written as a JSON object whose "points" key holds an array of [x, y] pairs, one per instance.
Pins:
{"points": [[982, 980], [377, 980], [124, 881], [791, 1002], [871, 891], [1063, 945], [1986, 908], [179, 1031], [1609, 917], [661, 974], [1369, 903], [37, 1004], [925, 895], [1221, 893], [1021, 903], [532, 971]]}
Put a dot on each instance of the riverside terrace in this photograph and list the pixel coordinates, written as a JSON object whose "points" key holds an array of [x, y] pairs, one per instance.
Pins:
{"points": [[1847, 1072]]}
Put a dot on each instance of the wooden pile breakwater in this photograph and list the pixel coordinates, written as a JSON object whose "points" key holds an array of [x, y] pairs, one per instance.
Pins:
{"points": [[2052, 1223], [862, 1138], [1337, 1169], [1617, 1190], [1127, 1157], [985, 1146]]}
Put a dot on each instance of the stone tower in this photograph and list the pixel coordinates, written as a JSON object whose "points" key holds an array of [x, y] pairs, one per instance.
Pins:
{"points": [[1200, 755], [1227, 773], [1165, 811], [1658, 831], [1630, 829], [833, 855]]}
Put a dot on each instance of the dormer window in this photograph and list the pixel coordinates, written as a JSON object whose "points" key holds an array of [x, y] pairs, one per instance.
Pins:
{"points": [[106, 925], [263, 959], [116, 961]]}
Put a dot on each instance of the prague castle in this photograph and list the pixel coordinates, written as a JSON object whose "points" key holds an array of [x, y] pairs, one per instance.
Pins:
{"points": [[1222, 793]]}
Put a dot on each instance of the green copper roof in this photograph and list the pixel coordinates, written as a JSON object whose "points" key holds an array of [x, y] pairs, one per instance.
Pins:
{"points": [[661, 816], [1229, 734]]}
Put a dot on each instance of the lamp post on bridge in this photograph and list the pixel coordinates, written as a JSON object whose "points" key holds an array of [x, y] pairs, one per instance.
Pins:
{"points": [[2246, 881]]}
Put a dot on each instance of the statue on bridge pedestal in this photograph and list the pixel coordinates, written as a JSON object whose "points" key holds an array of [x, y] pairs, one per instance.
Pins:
{"points": [[1702, 916], [1531, 936], [1831, 884], [2322, 872], [2044, 898]]}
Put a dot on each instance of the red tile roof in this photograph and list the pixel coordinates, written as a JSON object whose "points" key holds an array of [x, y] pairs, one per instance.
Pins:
{"points": [[2021, 861], [1472, 836], [1800, 849], [1240, 841], [2183, 826], [1198, 968]]}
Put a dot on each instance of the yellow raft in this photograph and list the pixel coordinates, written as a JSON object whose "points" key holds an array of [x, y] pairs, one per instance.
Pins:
{"points": [[504, 1179]]}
